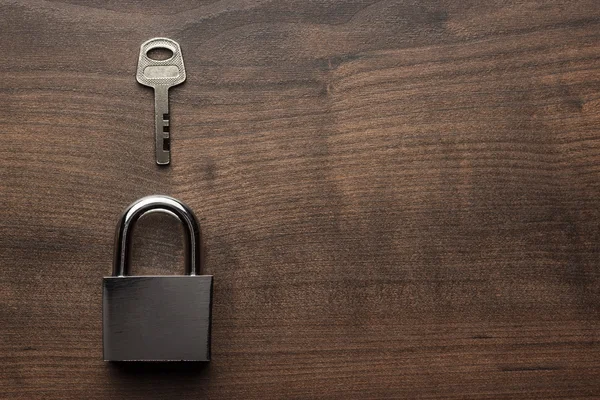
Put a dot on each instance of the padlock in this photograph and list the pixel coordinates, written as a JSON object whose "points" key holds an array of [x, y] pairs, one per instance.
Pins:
{"points": [[157, 318]]}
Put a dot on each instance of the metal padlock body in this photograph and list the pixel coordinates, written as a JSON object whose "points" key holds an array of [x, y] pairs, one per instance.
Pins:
{"points": [[157, 318]]}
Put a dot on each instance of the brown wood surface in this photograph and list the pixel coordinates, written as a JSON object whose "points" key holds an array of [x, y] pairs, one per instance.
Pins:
{"points": [[399, 199]]}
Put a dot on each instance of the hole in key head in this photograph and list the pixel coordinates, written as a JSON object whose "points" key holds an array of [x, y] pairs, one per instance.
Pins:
{"points": [[159, 54]]}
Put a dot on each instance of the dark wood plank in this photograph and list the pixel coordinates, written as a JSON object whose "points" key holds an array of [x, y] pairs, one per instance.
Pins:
{"points": [[399, 199]]}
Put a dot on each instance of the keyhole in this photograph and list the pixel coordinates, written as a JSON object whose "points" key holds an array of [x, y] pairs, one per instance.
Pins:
{"points": [[159, 54]]}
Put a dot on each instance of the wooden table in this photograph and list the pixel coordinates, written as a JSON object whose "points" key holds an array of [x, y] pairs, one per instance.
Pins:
{"points": [[399, 199]]}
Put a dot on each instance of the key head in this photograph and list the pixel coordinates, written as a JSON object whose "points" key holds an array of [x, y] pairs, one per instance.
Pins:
{"points": [[153, 73]]}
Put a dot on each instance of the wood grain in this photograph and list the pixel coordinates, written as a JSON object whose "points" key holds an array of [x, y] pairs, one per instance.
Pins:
{"points": [[399, 199]]}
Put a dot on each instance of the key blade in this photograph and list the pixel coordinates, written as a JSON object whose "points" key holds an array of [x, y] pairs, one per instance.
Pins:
{"points": [[162, 125]]}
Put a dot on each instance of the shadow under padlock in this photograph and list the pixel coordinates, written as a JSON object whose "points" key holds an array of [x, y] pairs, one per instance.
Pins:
{"points": [[162, 379], [157, 317]]}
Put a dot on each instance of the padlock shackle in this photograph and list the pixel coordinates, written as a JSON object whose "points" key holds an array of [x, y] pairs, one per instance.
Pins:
{"points": [[156, 203]]}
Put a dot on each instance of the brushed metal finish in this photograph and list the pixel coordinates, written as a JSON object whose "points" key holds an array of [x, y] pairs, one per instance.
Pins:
{"points": [[157, 318]]}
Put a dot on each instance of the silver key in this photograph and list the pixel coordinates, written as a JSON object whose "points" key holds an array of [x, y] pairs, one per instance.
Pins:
{"points": [[161, 75]]}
